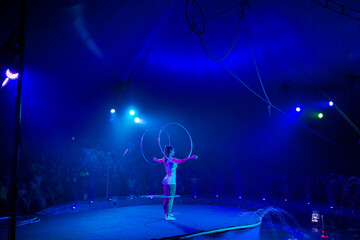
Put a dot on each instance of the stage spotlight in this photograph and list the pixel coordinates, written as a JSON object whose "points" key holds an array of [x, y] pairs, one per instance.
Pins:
{"points": [[112, 110], [9, 76], [331, 103], [320, 115], [132, 112], [139, 120], [298, 109]]}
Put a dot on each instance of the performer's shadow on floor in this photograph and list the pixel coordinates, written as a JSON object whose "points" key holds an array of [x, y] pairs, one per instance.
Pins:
{"points": [[183, 227]]}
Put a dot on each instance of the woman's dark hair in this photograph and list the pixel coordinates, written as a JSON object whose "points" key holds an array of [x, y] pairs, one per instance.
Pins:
{"points": [[167, 150]]}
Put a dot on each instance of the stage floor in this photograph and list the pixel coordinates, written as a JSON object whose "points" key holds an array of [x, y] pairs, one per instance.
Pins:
{"points": [[136, 222]]}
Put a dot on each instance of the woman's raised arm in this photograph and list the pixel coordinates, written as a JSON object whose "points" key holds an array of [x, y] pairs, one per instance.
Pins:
{"points": [[158, 160], [177, 160]]}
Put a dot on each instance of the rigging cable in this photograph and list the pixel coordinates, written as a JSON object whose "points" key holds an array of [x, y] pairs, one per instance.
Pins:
{"points": [[203, 43], [272, 105], [342, 8], [256, 67], [92, 34], [347, 119]]}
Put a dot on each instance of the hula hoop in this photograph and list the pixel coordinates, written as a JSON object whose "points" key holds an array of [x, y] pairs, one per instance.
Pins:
{"points": [[188, 21], [141, 144], [178, 124], [159, 196]]}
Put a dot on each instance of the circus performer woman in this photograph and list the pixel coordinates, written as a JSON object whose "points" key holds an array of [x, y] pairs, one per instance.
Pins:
{"points": [[169, 180]]}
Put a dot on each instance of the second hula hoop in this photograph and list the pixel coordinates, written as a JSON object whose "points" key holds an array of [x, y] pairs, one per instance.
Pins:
{"points": [[141, 144], [164, 129]]}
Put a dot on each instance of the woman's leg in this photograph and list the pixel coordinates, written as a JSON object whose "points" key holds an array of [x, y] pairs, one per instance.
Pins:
{"points": [[172, 188], [166, 200]]}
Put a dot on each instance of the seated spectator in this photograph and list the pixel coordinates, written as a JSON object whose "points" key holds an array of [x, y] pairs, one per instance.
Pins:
{"points": [[23, 198], [37, 199]]}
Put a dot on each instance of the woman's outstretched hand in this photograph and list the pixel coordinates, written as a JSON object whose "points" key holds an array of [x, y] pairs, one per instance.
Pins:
{"points": [[195, 156], [155, 159]]}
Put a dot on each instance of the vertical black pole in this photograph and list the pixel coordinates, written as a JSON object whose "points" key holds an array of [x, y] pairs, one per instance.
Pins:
{"points": [[14, 176]]}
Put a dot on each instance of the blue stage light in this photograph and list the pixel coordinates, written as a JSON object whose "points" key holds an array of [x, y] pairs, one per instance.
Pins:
{"points": [[320, 115], [137, 120], [331, 103], [298, 109], [112, 110], [132, 112]]}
